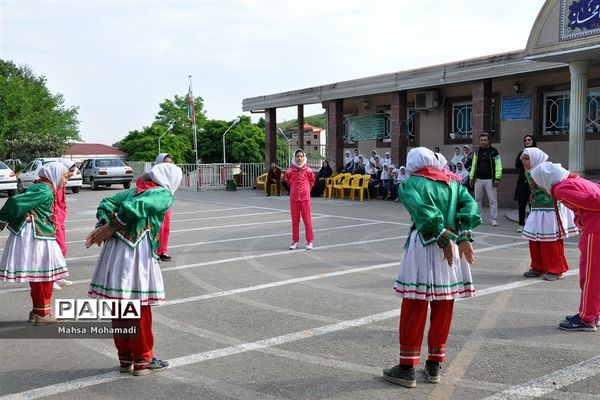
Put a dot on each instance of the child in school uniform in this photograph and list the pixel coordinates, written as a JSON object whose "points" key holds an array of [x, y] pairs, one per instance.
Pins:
{"points": [[127, 268], [32, 253]]}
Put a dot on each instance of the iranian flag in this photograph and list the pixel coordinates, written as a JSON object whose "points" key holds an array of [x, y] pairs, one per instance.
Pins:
{"points": [[191, 107]]}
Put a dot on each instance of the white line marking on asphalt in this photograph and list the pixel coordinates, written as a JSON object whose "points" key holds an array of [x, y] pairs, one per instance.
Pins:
{"points": [[182, 361]]}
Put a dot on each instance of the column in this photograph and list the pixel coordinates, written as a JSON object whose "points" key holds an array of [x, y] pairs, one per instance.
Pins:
{"points": [[335, 133], [399, 135], [301, 127], [577, 115], [482, 109], [270, 136]]}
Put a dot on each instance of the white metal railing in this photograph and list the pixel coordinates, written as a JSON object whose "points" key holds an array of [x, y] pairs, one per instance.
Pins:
{"points": [[210, 176]]}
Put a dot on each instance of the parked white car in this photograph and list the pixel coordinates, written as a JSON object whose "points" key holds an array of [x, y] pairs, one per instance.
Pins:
{"points": [[8, 180], [30, 174]]}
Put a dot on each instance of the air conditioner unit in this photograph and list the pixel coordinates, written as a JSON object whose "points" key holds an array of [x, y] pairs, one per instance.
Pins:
{"points": [[426, 100]]}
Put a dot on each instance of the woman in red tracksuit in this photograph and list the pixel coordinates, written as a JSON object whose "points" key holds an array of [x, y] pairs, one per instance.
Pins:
{"points": [[583, 198], [301, 179]]}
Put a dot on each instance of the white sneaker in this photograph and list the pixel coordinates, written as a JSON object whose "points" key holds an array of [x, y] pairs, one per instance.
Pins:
{"points": [[520, 228], [293, 246], [494, 222], [65, 282], [56, 286], [309, 246]]}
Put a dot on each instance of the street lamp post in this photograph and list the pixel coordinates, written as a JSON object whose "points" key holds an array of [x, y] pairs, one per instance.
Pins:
{"points": [[171, 124], [232, 125]]}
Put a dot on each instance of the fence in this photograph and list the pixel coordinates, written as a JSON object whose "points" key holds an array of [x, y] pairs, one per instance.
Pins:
{"points": [[210, 176]]}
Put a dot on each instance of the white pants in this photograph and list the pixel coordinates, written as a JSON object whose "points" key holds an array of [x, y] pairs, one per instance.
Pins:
{"points": [[492, 195]]}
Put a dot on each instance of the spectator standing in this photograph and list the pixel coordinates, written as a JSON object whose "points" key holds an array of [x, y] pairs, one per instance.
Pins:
{"points": [[486, 173], [468, 157], [522, 192]]}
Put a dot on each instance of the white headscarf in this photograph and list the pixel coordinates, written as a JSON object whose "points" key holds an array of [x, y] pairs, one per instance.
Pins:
{"points": [[66, 162], [53, 171], [348, 157], [294, 159], [166, 175], [547, 174], [402, 175], [457, 157], [419, 157], [536, 156], [461, 172], [161, 158], [387, 159], [440, 162]]}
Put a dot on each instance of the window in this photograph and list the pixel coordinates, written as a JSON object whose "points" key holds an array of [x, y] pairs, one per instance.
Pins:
{"points": [[460, 120], [308, 142], [315, 137], [556, 113], [410, 127]]}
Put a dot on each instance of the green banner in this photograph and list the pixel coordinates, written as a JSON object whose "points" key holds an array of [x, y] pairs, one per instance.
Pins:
{"points": [[367, 127]]}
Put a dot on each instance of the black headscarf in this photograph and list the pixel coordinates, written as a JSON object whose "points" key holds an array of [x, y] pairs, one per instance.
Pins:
{"points": [[325, 171]]}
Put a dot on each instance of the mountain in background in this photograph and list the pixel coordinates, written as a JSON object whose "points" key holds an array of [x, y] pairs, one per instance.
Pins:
{"points": [[318, 120]]}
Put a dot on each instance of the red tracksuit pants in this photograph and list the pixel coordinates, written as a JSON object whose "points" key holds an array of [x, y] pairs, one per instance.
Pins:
{"points": [[589, 276], [413, 315], [41, 297], [301, 208], [165, 230], [135, 350], [548, 257]]}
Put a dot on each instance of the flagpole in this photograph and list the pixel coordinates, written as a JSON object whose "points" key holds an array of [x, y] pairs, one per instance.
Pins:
{"points": [[195, 139]]}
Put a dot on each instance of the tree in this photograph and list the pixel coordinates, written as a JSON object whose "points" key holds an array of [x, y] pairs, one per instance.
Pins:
{"points": [[244, 142], [142, 145], [33, 121]]}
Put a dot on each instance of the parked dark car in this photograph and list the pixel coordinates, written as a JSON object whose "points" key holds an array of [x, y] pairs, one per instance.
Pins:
{"points": [[106, 171]]}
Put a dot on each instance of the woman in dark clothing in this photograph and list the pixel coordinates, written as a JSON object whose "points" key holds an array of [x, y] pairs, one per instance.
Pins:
{"points": [[324, 173], [522, 192]]}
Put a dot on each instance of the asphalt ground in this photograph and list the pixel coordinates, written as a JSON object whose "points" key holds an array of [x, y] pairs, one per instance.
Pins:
{"points": [[246, 318]]}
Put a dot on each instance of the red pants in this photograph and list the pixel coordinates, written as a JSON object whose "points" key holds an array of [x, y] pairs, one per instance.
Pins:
{"points": [[135, 350], [298, 208], [41, 297], [165, 230], [548, 257], [413, 316], [589, 276]]}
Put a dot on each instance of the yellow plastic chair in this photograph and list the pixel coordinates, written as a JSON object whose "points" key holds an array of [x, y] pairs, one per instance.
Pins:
{"points": [[334, 181], [329, 186], [337, 187], [363, 188], [350, 184], [261, 180]]}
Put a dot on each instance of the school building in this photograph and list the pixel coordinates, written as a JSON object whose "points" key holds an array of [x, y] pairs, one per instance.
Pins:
{"points": [[551, 90]]}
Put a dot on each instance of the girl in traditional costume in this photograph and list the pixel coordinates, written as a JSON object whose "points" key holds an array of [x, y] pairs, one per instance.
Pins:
{"points": [[127, 267]]}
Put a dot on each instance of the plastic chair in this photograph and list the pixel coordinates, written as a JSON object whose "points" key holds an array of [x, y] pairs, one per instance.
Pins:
{"points": [[261, 180], [334, 181], [363, 188], [350, 184], [337, 187]]}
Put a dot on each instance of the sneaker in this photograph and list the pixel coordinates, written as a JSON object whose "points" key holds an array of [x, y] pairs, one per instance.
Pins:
{"points": [[309, 246], [576, 317], [294, 246], [155, 365], [406, 378], [494, 222], [432, 370], [165, 257], [532, 273], [577, 324], [126, 368], [64, 282], [553, 277], [47, 319], [520, 228], [31, 317], [56, 286]]}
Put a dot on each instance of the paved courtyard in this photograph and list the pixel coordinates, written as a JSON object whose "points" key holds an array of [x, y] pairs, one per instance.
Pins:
{"points": [[248, 319]]}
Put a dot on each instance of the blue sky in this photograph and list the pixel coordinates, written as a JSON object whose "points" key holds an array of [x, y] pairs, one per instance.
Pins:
{"points": [[117, 60]]}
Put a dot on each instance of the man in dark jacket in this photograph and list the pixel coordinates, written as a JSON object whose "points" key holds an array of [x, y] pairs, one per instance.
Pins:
{"points": [[486, 172], [273, 177]]}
